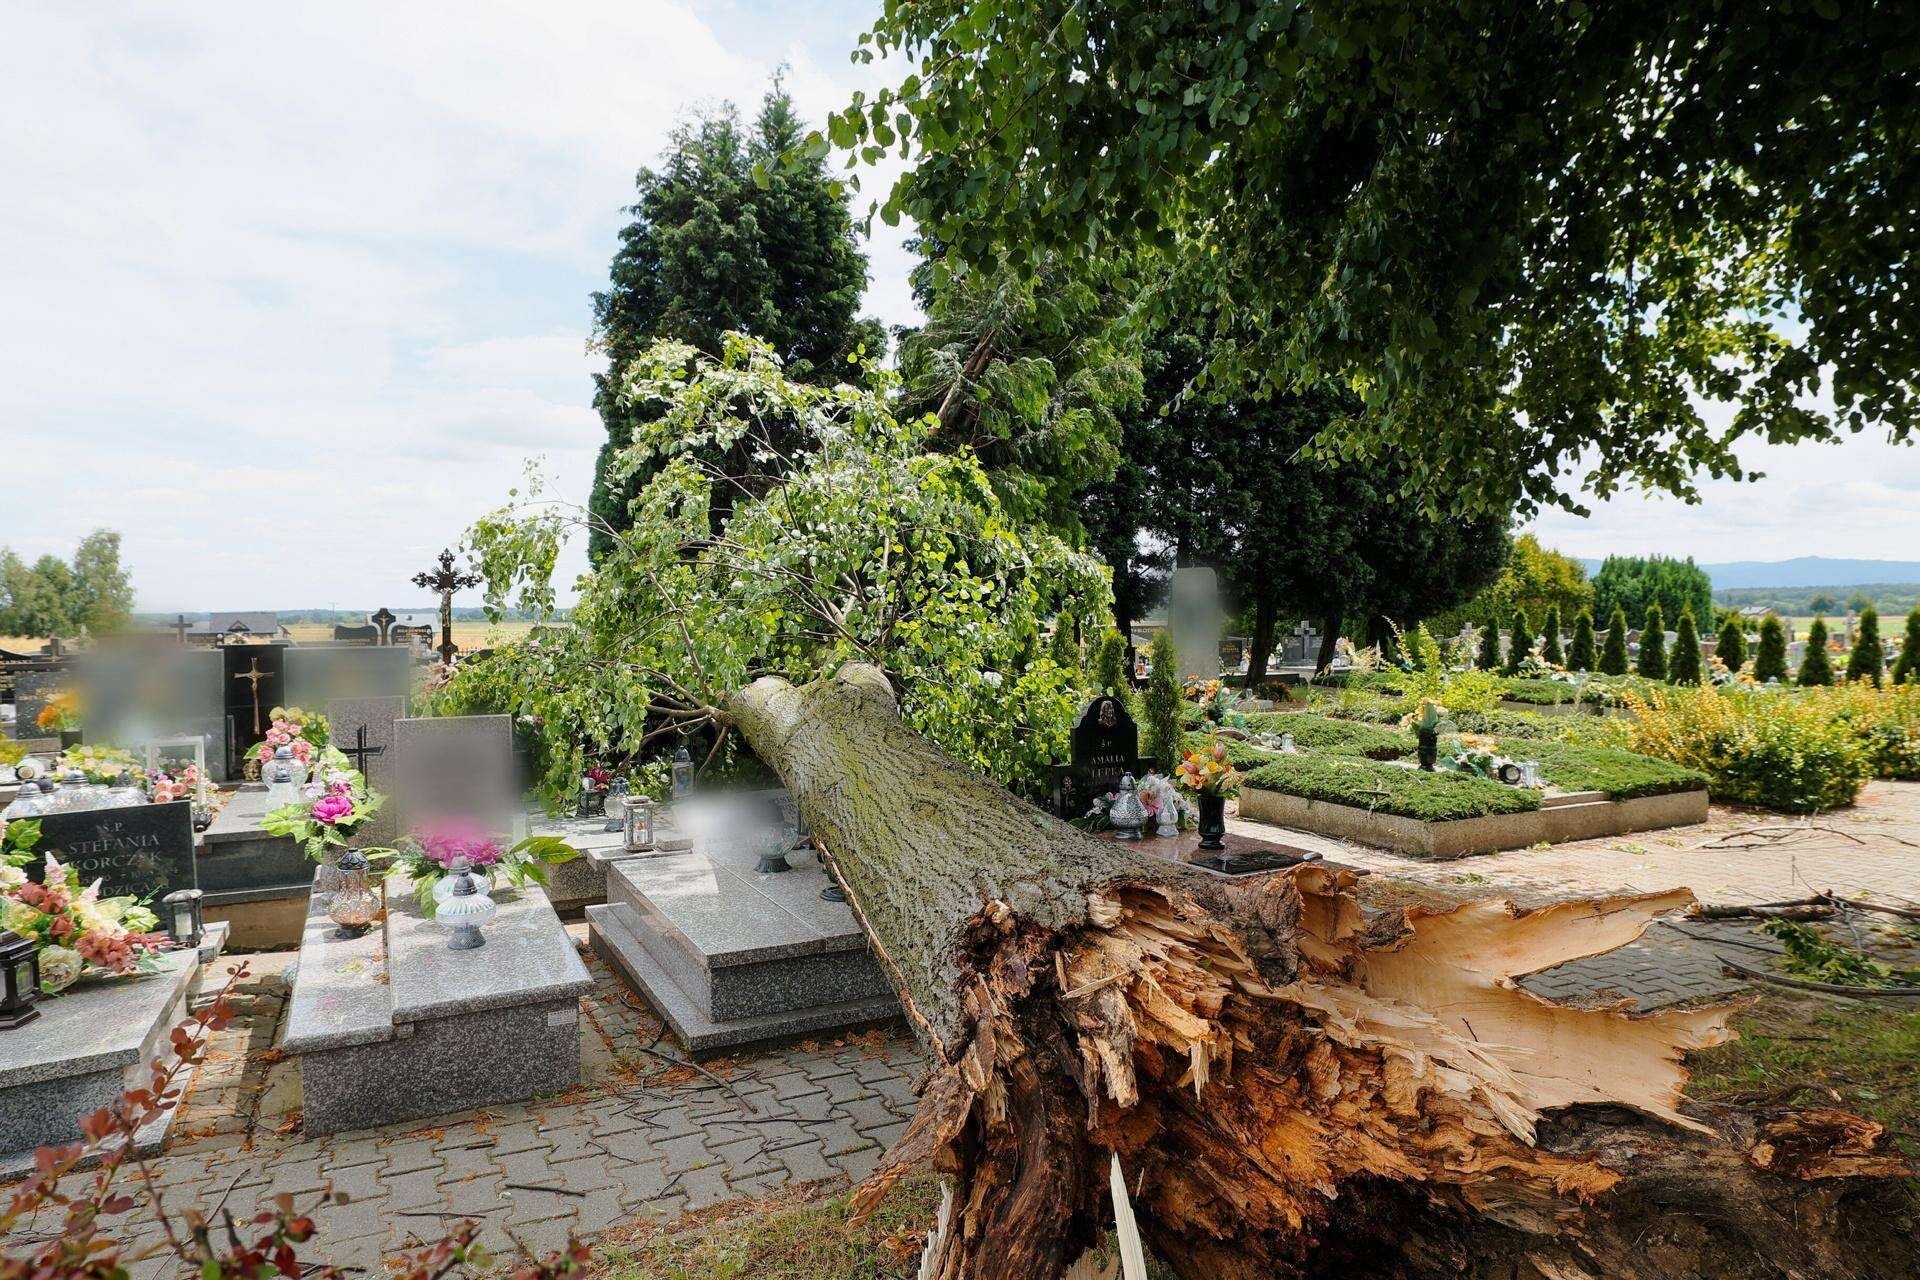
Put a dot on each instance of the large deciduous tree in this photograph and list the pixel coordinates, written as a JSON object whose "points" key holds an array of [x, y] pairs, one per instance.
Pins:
{"points": [[712, 250], [1532, 234], [52, 597], [1636, 583]]}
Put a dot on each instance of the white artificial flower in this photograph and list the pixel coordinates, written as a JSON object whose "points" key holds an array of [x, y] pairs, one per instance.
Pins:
{"points": [[12, 877], [60, 968]]}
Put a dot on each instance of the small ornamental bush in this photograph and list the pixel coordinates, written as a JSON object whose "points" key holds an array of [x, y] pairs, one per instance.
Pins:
{"points": [[1906, 667], [1770, 659], [1731, 644], [1489, 659], [1653, 645], [1869, 659], [1613, 659], [1161, 704], [1816, 669], [1794, 753], [1684, 666], [1519, 642], [1110, 664], [1888, 724], [1550, 638], [1580, 655], [1064, 647]]}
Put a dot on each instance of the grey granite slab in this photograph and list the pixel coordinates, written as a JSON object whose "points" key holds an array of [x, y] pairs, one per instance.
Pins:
{"points": [[377, 716], [528, 957], [98, 1024], [340, 993], [721, 916], [239, 862], [614, 940]]}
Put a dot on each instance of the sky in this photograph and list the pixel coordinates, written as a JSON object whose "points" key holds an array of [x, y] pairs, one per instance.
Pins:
{"points": [[293, 292]]}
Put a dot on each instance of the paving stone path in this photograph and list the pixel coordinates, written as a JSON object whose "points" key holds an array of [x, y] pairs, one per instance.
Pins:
{"points": [[642, 1137]]}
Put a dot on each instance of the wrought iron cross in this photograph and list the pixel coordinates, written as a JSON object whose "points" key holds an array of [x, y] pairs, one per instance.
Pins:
{"points": [[359, 752], [254, 677], [446, 580]]}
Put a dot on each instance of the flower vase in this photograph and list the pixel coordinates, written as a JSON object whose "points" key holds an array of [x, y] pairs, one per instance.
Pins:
{"points": [[1429, 748], [1213, 821]]}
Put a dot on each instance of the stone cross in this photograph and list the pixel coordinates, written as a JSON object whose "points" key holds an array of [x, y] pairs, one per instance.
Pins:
{"points": [[446, 580]]}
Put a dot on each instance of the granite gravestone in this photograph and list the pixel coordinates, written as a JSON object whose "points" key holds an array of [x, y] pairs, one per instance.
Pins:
{"points": [[144, 850], [456, 769], [363, 728], [1105, 745], [31, 692], [317, 676], [1195, 619]]}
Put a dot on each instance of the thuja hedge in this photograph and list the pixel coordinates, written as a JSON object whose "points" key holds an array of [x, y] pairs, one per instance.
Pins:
{"points": [[1388, 788]]}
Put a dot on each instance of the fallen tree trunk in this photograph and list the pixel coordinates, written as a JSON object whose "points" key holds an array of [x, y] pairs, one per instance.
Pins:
{"points": [[1293, 1089]]}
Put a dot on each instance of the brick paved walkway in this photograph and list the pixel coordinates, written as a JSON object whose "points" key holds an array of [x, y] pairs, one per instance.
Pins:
{"points": [[642, 1136]]}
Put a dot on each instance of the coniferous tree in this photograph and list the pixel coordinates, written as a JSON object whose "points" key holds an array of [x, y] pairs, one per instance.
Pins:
{"points": [[1731, 646], [1684, 666], [1519, 642], [1869, 658], [1110, 664], [1653, 644], [1161, 703], [1580, 657], [1770, 659], [1489, 659], [1907, 666], [1550, 641], [1613, 659], [1816, 668], [1064, 646]]}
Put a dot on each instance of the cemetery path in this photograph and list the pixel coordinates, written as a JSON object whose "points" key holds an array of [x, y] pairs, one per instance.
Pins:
{"points": [[640, 1139], [1871, 850]]}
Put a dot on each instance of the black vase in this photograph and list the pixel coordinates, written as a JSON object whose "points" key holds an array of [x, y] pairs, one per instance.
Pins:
{"points": [[1213, 822], [1429, 748]]}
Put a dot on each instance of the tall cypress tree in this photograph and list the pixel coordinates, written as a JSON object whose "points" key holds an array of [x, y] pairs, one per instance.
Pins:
{"points": [[1869, 657], [1907, 666], [1613, 659], [710, 249], [1160, 703], [1684, 666], [1519, 642], [1550, 639], [1489, 659], [1110, 664], [1731, 645], [1580, 656], [1770, 659], [1653, 644], [1816, 668]]}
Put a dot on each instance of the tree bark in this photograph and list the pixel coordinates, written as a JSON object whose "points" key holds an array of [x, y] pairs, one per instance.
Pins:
{"points": [[1329, 641], [1260, 643], [1292, 1088]]}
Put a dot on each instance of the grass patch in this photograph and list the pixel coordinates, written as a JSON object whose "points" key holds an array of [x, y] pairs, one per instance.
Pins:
{"points": [[1386, 788], [1863, 1051], [1624, 775], [1342, 737]]}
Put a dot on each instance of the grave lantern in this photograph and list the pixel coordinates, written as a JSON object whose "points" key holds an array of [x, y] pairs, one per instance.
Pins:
{"points": [[616, 796], [682, 773], [184, 923], [639, 823], [355, 905], [1127, 813], [19, 980], [465, 909]]}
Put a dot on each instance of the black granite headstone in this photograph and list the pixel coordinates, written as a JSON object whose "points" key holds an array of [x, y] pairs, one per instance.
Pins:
{"points": [[1105, 744], [144, 850]]}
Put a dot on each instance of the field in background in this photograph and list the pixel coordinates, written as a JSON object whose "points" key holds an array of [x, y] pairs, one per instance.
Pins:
{"points": [[468, 635]]}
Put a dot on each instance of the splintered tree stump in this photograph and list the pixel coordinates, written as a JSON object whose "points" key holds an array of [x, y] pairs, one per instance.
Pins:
{"points": [[1293, 1088]]}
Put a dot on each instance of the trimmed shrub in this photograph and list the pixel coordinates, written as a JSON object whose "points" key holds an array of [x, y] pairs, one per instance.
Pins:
{"points": [[1684, 666], [1580, 655], [1489, 659], [1550, 638], [1160, 705], [1888, 723], [1907, 666], [1387, 788], [1731, 645], [1064, 647], [1816, 668], [1869, 658], [1770, 658], [1613, 659], [1540, 693], [1519, 642], [1653, 645], [1794, 753], [1110, 664]]}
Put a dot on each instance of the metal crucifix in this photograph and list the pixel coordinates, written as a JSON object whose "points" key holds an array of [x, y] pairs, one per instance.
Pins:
{"points": [[359, 752], [446, 580], [254, 677]]}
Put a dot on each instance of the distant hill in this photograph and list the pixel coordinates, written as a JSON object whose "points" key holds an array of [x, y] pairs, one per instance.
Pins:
{"points": [[1803, 571]]}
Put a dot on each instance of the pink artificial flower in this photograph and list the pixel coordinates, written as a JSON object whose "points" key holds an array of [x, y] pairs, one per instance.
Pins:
{"points": [[279, 737], [444, 844], [302, 750], [332, 808], [266, 753]]}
